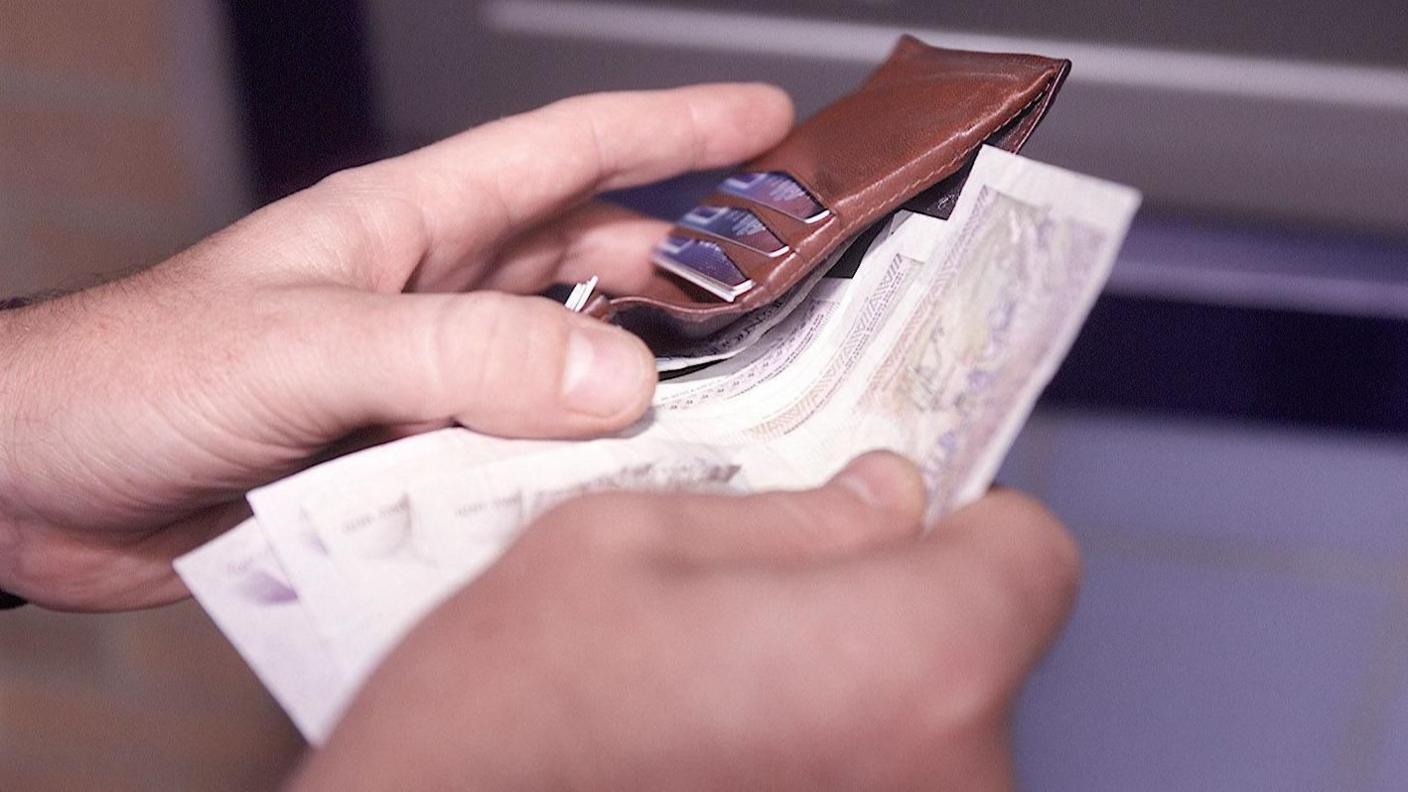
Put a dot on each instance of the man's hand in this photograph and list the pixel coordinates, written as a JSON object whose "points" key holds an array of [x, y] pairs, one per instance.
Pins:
{"points": [[134, 415], [807, 640]]}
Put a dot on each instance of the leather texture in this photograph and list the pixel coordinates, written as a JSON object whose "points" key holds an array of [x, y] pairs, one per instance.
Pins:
{"points": [[916, 121]]}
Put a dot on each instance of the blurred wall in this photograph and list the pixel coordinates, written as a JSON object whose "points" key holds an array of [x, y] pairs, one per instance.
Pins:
{"points": [[134, 702], [1289, 113], [118, 146]]}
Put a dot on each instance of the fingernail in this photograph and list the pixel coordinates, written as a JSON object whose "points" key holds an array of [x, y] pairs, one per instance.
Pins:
{"points": [[605, 371], [882, 480], [854, 479]]}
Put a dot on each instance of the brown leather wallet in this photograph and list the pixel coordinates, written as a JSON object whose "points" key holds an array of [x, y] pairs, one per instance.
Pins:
{"points": [[906, 134]]}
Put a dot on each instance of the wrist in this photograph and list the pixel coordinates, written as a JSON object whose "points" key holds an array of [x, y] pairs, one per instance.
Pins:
{"points": [[10, 397], [7, 443], [16, 380]]}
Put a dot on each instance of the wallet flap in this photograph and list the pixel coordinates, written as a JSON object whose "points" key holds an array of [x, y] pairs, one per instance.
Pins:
{"points": [[916, 121]]}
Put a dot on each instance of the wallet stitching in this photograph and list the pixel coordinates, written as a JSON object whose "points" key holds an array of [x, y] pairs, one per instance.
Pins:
{"points": [[932, 176]]}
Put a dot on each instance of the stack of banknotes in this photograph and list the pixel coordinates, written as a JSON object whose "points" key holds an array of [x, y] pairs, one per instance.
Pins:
{"points": [[936, 347]]}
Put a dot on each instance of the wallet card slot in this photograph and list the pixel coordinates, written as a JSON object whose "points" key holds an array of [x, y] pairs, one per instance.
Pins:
{"points": [[789, 231], [734, 224], [702, 262], [758, 265], [777, 190]]}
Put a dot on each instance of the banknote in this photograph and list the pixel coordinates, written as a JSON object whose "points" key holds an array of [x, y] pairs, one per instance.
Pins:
{"points": [[940, 359], [908, 237], [315, 518], [237, 580], [937, 347]]}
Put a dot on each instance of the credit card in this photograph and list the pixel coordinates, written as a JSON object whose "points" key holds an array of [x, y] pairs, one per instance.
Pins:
{"points": [[702, 263], [776, 190], [735, 225]]}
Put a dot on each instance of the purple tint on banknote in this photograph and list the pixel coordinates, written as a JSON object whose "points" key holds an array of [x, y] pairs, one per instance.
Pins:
{"points": [[735, 225], [776, 190]]}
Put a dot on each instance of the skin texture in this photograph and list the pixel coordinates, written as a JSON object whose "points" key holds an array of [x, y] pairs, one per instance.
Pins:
{"points": [[794, 640], [805, 640], [135, 415]]}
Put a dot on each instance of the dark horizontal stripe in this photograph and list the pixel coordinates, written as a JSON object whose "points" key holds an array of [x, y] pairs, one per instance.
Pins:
{"points": [[1159, 356]]}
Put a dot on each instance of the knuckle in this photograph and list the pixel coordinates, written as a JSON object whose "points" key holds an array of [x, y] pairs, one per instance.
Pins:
{"points": [[830, 518], [1065, 566], [504, 339], [490, 314], [581, 117], [957, 677], [969, 697], [371, 212], [474, 340], [516, 325], [575, 107], [793, 515], [1051, 568], [341, 182], [571, 106], [373, 179], [838, 512]]}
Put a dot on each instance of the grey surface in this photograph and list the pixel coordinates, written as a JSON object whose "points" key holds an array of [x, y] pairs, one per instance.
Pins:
{"points": [[1367, 31], [1243, 623]]}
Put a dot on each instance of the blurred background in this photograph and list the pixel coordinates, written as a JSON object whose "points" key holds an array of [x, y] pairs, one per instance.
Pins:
{"points": [[1228, 439]]}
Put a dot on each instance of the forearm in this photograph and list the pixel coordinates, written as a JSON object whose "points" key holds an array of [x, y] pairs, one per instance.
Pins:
{"points": [[36, 356], [10, 340], [17, 383]]}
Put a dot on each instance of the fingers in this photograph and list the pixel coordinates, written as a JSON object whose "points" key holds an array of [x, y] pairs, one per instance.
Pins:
{"points": [[999, 578], [610, 242], [478, 188], [878, 498], [514, 366]]}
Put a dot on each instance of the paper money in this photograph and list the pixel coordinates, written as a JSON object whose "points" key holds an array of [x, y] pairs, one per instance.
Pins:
{"points": [[936, 348], [237, 580]]}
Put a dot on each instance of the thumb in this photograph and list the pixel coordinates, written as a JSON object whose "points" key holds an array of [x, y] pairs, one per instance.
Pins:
{"points": [[875, 500], [499, 364]]}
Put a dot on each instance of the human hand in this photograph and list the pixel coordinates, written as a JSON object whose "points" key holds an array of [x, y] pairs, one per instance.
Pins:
{"points": [[134, 415], [806, 640]]}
